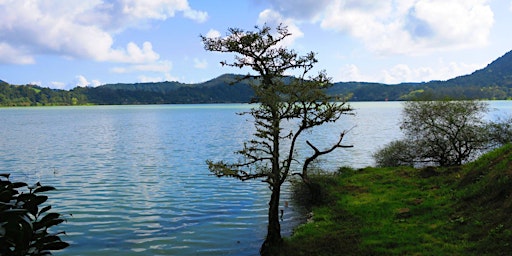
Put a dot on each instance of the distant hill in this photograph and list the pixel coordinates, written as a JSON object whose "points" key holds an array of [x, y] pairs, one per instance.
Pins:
{"points": [[499, 73], [223, 89], [32, 95], [493, 82], [160, 87]]}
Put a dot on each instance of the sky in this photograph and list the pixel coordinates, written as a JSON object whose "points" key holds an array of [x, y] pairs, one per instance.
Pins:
{"points": [[62, 44]]}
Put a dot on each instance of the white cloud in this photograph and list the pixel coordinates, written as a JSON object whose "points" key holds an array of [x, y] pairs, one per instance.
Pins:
{"points": [[96, 83], [157, 67], [117, 14], [151, 72], [350, 73], [81, 29], [38, 83], [58, 85], [212, 33], [134, 54], [154, 79], [200, 64], [196, 15], [78, 81], [160, 9], [273, 19], [459, 23], [304, 9], [120, 70], [149, 79], [81, 81], [9, 54], [414, 27], [411, 27], [405, 73]]}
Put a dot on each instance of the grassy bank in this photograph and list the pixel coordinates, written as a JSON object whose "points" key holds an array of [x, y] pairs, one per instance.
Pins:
{"points": [[407, 211]]}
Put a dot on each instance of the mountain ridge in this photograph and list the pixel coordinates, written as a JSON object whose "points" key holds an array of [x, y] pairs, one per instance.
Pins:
{"points": [[483, 81], [497, 67], [491, 82]]}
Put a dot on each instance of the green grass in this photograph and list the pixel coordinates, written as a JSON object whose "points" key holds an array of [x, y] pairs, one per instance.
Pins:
{"points": [[407, 211]]}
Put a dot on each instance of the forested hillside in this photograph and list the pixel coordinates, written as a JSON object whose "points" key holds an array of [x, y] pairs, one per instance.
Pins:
{"points": [[223, 89], [31, 95], [493, 82]]}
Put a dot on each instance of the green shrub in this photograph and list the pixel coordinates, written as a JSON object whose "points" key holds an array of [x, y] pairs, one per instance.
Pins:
{"points": [[395, 153], [24, 223], [500, 131]]}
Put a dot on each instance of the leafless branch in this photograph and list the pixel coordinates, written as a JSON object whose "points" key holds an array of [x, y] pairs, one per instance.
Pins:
{"points": [[318, 153]]}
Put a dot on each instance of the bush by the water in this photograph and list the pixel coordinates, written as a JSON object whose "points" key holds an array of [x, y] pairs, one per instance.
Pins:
{"points": [[396, 153], [443, 133]]}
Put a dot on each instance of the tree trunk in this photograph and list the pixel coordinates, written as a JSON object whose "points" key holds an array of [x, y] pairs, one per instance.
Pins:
{"points": [[273, 240]]}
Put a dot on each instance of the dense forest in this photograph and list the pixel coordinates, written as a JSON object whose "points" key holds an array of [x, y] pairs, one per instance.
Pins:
{"points": [[493, 82]]}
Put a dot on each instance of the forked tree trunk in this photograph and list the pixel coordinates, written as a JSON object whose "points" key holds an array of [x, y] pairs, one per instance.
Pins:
{"points": [[273, 239]]}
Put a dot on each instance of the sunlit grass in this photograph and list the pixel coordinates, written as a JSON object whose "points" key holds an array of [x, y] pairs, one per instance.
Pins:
{"points": [[407, 211]]}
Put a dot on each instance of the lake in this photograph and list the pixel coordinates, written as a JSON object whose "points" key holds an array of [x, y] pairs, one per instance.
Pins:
{"points": [[132, 180]]}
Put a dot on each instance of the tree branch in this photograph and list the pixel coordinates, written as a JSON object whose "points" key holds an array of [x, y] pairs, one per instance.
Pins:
{"points": [[318, 153]]}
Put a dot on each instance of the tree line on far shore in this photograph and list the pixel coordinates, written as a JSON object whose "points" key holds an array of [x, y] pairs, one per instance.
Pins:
{"points": [[493, 82]]}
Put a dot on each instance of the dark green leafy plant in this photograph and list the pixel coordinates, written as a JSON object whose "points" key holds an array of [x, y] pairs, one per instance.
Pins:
{"points": [[24, 222]]}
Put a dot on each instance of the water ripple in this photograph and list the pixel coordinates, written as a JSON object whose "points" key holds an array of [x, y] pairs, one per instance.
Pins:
{"points": [[132, 180]]}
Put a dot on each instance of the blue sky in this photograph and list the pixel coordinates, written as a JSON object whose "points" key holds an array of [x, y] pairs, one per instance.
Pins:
{"points": [[64, 44]]}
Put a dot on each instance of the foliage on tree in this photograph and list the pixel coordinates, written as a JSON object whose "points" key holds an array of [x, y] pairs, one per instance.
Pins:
{"points": [[500, 132], [444, 133], [395, 153], [300, 102], [24, 222]]}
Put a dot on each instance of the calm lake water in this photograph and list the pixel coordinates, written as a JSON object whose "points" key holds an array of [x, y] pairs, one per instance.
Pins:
{"points": [[132, 180]]}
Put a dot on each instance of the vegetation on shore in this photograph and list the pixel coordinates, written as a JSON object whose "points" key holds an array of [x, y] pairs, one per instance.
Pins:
{"points": [[461, 210], [493, 82], [222, 90]]}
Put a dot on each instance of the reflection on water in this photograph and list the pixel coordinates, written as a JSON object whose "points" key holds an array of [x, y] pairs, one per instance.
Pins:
{"points": [[132, 180]]}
